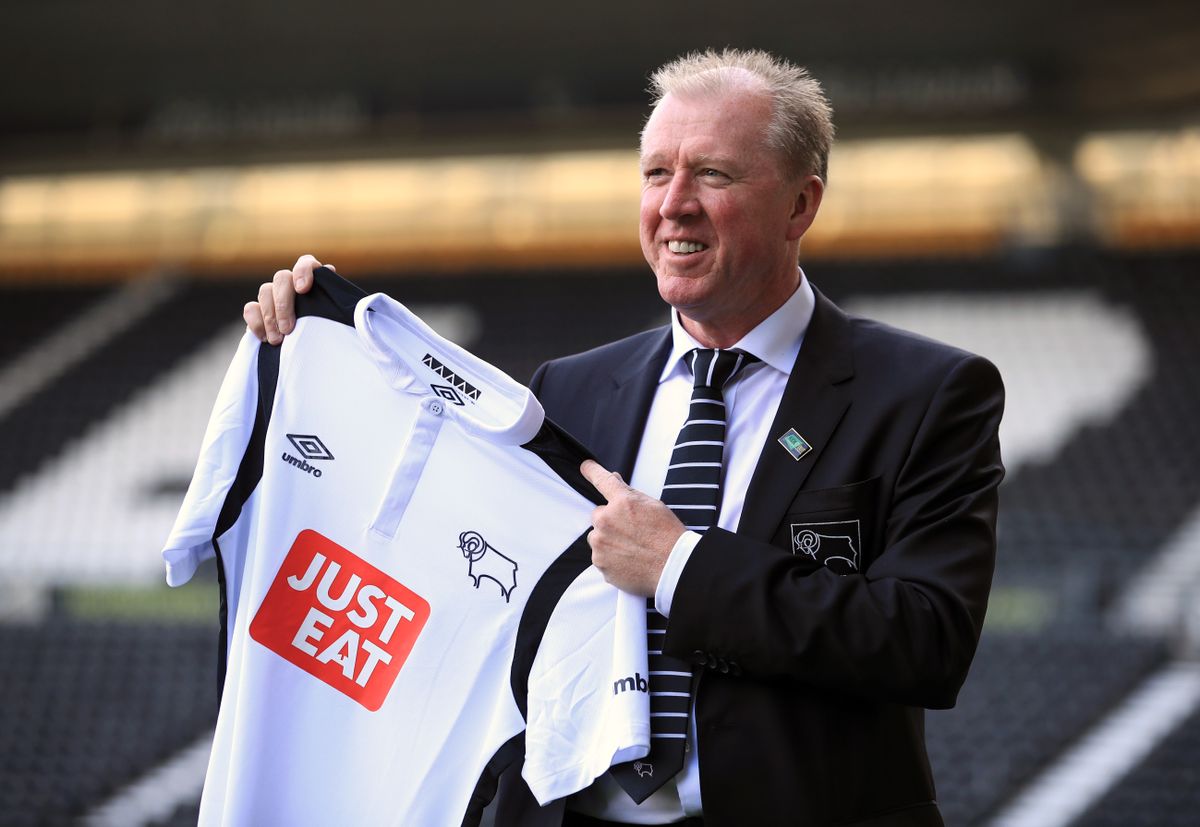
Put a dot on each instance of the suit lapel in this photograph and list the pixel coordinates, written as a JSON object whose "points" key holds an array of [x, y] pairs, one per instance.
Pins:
{"points": [[620, 416], [814, 400]]}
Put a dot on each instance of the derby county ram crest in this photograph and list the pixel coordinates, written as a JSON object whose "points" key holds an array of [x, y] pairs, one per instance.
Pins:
{"points": [[486, 563], [836, 545]]}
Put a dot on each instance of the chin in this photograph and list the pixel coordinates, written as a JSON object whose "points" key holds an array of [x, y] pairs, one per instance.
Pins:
{"points": [[681, 292]]}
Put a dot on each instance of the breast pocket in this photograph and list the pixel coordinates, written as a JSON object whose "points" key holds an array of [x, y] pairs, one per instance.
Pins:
{"points": [[834, 528]]}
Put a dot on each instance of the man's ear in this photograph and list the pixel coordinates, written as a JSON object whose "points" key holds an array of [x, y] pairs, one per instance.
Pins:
{"points": [[809, 190]]}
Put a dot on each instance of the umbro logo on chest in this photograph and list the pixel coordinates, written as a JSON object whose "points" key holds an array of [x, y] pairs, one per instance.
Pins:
{"points": [[309, 446]]}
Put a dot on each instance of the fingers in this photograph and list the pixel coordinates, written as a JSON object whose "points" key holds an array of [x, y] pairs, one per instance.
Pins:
{"points": [[608, 483], [285, 286], [283, 302], [302, 272], [273, 315], [266, 308], [254, 320]]}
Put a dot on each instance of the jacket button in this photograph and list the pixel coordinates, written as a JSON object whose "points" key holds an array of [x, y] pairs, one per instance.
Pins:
{"points": [[734, 668], [711, 662], [723, 668], [698, 657]]}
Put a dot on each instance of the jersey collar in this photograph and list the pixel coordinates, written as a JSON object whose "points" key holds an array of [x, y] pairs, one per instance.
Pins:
{"points": [[416, 360]]}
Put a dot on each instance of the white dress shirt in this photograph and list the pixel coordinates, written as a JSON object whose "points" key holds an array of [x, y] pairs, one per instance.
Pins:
{"points": [[751, 401]]}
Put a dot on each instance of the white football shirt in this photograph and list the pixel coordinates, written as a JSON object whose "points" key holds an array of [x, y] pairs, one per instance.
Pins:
{"points": [[400, 537]]}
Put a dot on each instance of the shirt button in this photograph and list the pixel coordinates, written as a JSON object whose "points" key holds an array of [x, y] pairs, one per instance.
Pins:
{"points": [[436, 408]]}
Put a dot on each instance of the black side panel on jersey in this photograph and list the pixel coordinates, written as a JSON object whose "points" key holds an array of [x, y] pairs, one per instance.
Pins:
{"points": [[510, 752], [331, 297], [545, 596], [564, 454], [542, 600], [248, 475]]}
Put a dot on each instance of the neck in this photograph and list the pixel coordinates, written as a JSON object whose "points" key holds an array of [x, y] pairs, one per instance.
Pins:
{"points": [[726, 332], [714, 334]]}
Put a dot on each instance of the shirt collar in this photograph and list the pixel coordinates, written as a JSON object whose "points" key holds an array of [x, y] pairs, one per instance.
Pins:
{"points": [[775, 340]]}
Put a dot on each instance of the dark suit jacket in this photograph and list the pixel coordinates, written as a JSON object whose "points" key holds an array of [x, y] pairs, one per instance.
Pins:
{"points": [[821, 653]]}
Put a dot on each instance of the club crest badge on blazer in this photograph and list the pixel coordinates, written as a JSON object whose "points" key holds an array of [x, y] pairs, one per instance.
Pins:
{"points": [[795, 444], [836, 545]]}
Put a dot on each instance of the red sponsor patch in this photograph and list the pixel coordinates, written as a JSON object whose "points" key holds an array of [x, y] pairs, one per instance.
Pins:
{"points": [[340, 619]]}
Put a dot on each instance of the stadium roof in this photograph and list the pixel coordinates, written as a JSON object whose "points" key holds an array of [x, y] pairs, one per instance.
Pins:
{"points": [[150, 79]]}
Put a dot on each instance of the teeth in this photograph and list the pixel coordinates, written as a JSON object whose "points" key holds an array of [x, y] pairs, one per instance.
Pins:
{"points": [[685, 246]]}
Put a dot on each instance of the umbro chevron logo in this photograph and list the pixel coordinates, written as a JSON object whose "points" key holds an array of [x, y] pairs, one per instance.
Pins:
{"points": [[309, 447], [466, 388]]}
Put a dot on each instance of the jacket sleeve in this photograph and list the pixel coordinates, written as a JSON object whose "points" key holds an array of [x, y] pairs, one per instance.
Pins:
{"points": [[905, 629]]}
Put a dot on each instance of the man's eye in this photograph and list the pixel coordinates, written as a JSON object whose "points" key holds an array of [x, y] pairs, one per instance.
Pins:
{"points": [[709, 172], [654, 173]]}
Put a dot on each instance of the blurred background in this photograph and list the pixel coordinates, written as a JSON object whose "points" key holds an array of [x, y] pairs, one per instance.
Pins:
{"points": [[1022, 179]]}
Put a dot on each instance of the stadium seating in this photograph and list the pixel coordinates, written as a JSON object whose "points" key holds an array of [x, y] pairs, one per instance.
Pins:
{"points": [[88, 705], [185, 815], [1164, 791], [87, 392], [29, 311], [1028, 696]]}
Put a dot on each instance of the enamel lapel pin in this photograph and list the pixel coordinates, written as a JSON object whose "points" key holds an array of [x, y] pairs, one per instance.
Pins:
{"points": [[795, 444]]}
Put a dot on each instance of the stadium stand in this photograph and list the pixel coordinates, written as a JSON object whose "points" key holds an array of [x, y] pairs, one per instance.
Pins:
{"points": [[185, 815], [1163, 792], [84, 395], [91, 704], [28, 311], [87, 705], [1028, 696], [1112, 496], [1082, 521]]}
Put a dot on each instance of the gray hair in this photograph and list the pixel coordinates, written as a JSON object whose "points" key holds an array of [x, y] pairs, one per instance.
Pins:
{"points": [[801, 124]]}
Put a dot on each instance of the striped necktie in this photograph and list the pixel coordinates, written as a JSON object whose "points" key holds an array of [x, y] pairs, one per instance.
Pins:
{"points": [[692, 489]]}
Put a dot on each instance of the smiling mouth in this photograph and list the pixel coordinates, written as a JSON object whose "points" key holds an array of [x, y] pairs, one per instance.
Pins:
{"points": [[685, 247]]}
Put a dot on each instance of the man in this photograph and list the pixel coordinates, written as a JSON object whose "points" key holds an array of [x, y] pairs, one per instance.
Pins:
{"points": [[843, 586]]}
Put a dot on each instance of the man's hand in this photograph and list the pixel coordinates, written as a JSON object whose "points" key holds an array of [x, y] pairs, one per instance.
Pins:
{"points": [[633, 534], [273, 316]]}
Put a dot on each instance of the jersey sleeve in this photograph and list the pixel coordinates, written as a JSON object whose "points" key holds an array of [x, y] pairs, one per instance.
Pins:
{"points": [[222, 452], [588, 701]]}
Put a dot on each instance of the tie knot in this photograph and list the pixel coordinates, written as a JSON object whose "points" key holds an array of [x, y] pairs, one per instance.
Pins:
{"points": [[714, 368]]}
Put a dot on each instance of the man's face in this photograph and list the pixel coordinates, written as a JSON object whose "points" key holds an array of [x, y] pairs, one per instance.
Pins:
{"points": [[719, 222]]}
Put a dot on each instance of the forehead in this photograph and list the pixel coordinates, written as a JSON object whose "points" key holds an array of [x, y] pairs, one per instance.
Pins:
{"points": [[724, 124]]}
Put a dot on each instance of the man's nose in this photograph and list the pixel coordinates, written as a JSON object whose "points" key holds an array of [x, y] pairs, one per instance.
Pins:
{"points": [[680, 198]]}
